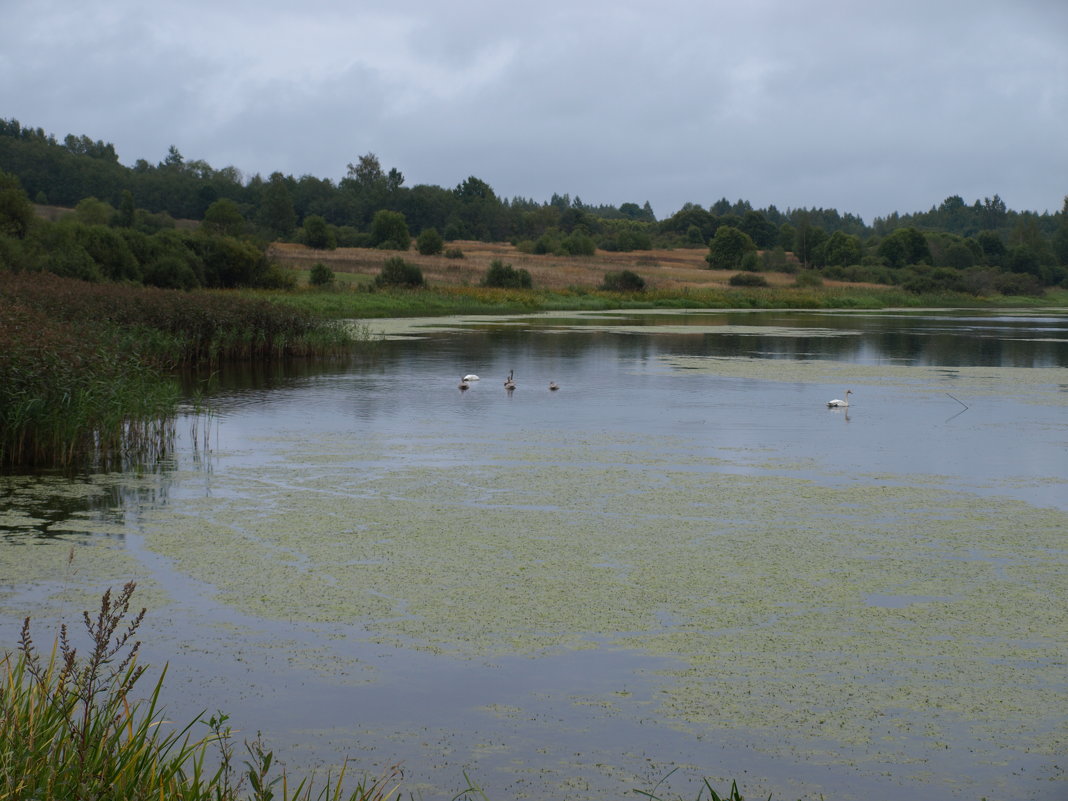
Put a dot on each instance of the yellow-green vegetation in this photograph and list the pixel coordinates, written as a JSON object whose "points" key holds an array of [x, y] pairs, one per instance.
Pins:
{"points": [[445, 300], [860, 619], [73, 727]]}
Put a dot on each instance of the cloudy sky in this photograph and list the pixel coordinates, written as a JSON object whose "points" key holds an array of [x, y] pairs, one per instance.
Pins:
{"points": [[867, 106]]}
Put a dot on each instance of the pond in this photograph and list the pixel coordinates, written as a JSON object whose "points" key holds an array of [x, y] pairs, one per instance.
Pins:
{"points": [[682, 564]]}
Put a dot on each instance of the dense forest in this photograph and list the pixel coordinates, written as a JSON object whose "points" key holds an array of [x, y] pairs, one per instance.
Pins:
{"points": [[131, 224]]}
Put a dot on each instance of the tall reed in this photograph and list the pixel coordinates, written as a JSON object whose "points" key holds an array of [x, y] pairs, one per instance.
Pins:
{"points": [[84, 368]]}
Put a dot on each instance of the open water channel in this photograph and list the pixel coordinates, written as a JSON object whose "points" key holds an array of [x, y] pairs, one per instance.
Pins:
{"points": [[680, 565]]}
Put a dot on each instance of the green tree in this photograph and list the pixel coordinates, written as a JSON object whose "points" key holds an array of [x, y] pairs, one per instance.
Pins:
{"points": [[840, 249], [905, 246], [224, 217], [317, 233], [389, 231], [959, 256], [763, 233], [367, 173], [127, 211], [92, 211], [16, 211], [430, 242], [1060, 236], [993, 247], [807, 238], [277, 214], [728, 248]]}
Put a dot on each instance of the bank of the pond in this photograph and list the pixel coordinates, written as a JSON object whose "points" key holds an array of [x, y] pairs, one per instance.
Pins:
{"points": [[86, 369], [364, 303]]}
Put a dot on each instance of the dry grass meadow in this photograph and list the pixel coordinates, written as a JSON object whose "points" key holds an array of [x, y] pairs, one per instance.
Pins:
{"points": [[675, 269]]}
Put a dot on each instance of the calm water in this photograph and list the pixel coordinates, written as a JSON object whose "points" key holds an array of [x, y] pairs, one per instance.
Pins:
{"points": [[683, 558]]}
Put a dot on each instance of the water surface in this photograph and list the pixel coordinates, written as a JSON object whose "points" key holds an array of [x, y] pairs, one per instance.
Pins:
{"points": [[683, 558]]}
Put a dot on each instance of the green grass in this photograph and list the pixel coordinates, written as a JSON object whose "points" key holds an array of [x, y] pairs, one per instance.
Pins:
{"points": [[439, 301]]}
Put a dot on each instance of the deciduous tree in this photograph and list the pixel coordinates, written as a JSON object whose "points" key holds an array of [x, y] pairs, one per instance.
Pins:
{"points": [[728, 248]]}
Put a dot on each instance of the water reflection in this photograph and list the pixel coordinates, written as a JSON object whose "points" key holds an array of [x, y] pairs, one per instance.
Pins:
{"points": [[329, 520]]}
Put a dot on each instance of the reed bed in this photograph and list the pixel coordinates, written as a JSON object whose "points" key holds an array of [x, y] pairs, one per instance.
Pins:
{"points": [[85, 369]]}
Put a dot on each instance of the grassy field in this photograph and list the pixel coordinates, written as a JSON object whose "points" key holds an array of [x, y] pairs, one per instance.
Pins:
{"points": [[675, 270], [674, 279]]}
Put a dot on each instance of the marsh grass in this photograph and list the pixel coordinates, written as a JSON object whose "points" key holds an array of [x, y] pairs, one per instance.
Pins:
{"points": [[85, 369], [71, 727], [454, 300]]}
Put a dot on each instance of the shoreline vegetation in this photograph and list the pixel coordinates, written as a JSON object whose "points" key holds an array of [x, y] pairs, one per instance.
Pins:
{"points": [[74, 726], [87, 371]]}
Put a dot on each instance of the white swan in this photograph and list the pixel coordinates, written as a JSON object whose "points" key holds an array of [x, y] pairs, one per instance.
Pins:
{"points": [[837, 402], [471, 377], [553, 386]]}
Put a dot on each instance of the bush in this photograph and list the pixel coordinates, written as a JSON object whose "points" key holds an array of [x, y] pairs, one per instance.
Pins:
{"points": [[397, 272], [275, 276], [454, 253], [321, 275], [808, 278], [505, 276], [430, 242], [318, 234], [578, 243], [349, 237], [623, 281], [389, 231], [747, 279]]}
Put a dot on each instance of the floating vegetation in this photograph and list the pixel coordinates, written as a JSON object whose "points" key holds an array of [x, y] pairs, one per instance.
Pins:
{"points": [[768, 602], [889, 619]]}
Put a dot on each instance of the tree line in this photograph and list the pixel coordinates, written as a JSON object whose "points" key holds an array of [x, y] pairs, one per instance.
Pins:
{"points": [[371, 206]]}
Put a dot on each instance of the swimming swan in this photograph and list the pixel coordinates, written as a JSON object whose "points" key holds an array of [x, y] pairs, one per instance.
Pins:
{"points": [[553, 386], [837, 402], [471, 377], [509, 384], [464, 386]]}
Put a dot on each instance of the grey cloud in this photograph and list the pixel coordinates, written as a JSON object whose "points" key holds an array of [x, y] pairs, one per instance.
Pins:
{"points": [[865, 107]]}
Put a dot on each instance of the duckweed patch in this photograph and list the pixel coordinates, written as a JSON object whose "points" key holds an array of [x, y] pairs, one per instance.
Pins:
{"points": [[881, 620], [1020, 383], [767, 605]]}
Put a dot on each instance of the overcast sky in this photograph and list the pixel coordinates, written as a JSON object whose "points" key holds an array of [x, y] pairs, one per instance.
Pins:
{"points": [[868, 106]]}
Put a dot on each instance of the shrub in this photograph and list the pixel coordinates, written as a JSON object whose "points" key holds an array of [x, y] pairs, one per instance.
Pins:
{"points": [[318, 234], [454, 253], [808, 278], [397, 272], [430, 242], [578, 243], [389, 231], [747, 279], [505, 276], [623, 281], [321, 275]]}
